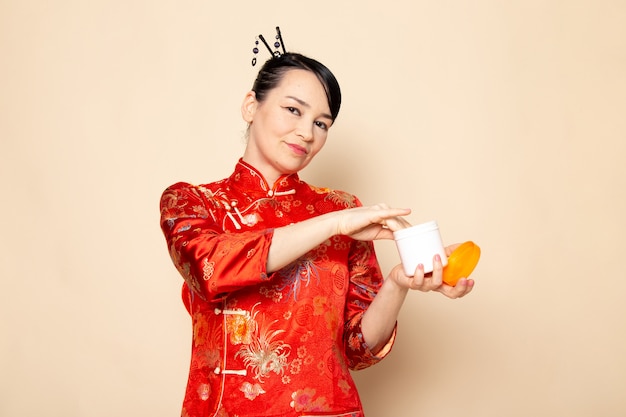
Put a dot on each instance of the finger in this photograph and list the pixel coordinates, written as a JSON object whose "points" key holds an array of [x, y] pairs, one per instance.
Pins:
{"points": [[387, 213], [418, 280], [384, 234], [396, 223], [468, 285], [463, 287], [460, 289], [451, 248], [423, 281], [437, 274]]}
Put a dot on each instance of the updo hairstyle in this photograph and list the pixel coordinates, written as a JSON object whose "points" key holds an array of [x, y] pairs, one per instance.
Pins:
{"points": [[272, 72]]}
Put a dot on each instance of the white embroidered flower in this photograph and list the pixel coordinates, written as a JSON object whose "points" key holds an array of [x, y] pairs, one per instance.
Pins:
{"points": [[204, 390], [250, 219], [265, 354], [251, 391]]}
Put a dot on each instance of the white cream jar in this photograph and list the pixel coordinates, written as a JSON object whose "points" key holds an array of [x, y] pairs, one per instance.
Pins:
{"points": [[418, 245]]}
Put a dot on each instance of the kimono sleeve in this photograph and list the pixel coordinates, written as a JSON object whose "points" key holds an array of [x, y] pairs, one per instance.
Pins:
{"points": [[212, 262], [365, 281]]}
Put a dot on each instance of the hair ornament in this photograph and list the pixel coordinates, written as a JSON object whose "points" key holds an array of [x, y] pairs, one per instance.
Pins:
{"points": [[277, 44]]}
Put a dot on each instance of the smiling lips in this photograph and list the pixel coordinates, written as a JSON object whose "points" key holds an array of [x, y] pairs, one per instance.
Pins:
{"points": [[297, 149]]}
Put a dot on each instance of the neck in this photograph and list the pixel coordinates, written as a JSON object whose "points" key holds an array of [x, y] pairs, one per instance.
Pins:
{"points": [[269, 174]]}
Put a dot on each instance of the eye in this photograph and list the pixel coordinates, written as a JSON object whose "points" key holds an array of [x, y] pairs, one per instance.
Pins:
{"points": [[293, 110], [321, 125]]}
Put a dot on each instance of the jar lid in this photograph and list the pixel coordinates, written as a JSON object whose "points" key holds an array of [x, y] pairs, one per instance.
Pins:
{"points": [[461, 262]]}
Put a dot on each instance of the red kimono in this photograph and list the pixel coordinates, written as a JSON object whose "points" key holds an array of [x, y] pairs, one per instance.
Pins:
{"points": [[278, 344]]}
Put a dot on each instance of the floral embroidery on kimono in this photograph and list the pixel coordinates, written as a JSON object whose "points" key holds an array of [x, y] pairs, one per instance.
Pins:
{"points": [[279, 344]]}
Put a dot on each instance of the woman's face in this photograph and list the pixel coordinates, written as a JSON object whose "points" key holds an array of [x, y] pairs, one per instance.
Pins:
{"points": [[289, 127]]}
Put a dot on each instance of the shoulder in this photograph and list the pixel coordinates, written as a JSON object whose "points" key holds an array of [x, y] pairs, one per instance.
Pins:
{"points": [[179, 190], [182, 192], [193, 189]]}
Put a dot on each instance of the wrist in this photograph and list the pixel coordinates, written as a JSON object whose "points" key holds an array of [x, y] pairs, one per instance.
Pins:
{"points": [[395, 280]]}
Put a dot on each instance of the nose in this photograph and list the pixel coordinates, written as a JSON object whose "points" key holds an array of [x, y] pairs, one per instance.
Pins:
{"points": [[305, 131]]}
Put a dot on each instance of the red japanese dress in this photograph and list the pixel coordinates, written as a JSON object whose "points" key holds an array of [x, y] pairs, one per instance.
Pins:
{"points": [[279, 344]]}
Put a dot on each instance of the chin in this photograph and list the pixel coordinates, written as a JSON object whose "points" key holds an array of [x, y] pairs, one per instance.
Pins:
{"points": [[295, 166]]}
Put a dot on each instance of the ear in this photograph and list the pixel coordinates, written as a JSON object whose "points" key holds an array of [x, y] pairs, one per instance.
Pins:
{"points": [[248, 107]]}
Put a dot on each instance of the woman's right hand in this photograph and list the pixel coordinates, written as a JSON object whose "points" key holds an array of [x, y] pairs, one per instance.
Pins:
{"points": [[360, 223], [371, 223]]}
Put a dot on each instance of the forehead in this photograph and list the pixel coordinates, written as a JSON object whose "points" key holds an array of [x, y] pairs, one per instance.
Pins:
{"points": [[304, 85]]}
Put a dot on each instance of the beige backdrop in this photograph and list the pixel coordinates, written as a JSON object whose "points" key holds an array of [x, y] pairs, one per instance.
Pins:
{"points": [[504, 121]]}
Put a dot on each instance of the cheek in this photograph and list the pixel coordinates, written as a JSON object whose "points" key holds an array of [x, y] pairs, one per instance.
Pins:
{"points": [[319, 144], [281, 122]]}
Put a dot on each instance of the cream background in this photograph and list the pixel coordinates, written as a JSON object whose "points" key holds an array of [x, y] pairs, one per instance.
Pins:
{"points": [[504, 121]]}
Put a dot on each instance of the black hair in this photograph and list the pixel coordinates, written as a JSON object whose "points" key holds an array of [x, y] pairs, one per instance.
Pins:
{"points": [[272, 72]]}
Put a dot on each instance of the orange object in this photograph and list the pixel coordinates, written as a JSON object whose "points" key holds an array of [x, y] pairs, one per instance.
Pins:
{"points": [[461, 262]]}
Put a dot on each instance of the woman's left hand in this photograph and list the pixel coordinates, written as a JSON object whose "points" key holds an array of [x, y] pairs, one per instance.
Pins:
{"points": [[432, 281]]}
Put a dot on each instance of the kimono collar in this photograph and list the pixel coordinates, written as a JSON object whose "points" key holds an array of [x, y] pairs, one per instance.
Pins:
{"points": [[252, 181]]}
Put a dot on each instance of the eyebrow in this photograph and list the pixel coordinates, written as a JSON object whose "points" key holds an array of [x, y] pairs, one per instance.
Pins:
{"points": [[305, 104]]}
